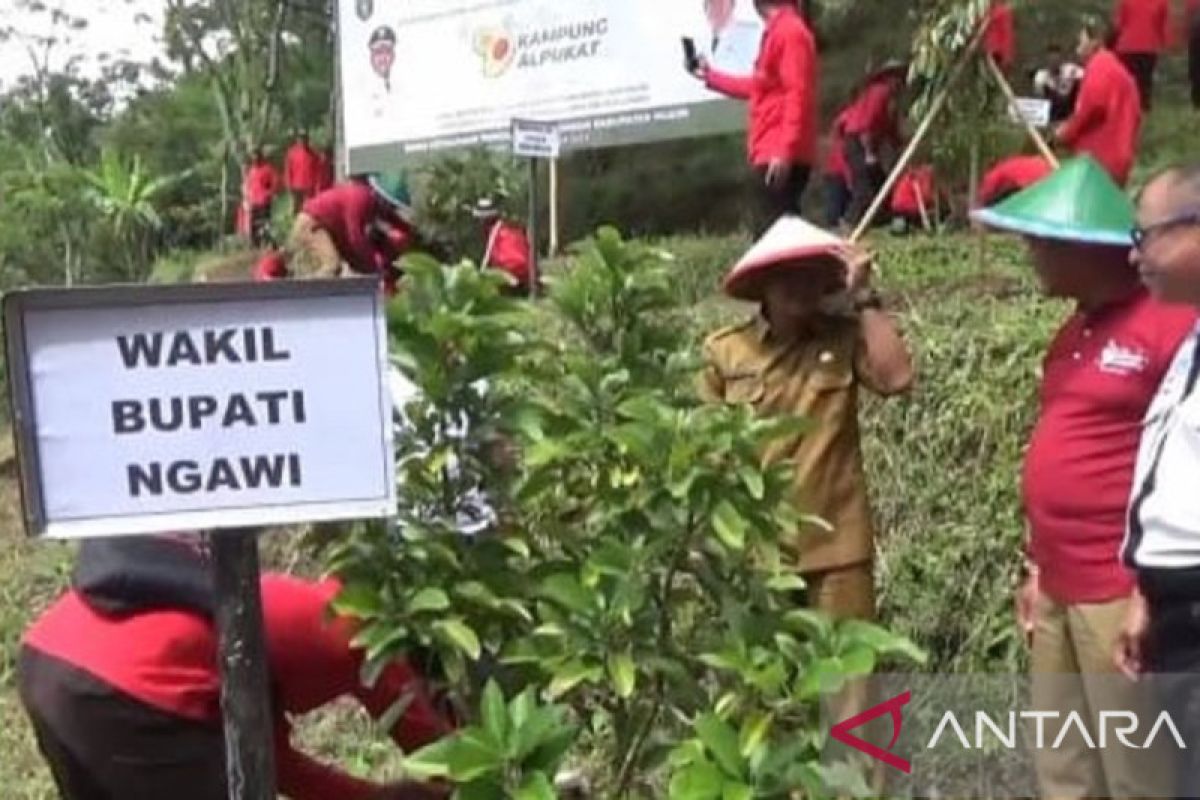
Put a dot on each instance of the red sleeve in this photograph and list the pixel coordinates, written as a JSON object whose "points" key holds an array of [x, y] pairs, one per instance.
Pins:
{"points": [[794, 56], [1089, 108], [736, 86], [873, 119], [303, 778]]}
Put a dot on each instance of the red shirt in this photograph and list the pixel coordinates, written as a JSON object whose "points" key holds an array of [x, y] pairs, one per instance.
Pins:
{"points": [[168, 660], [871, 114], [261, 184], [1012, 175], [784, 93], [914, 188], [1143, 26], [1000, 39], [301, 168], [346, 213], [1108, 116], [1099, 376], [508, 251]]}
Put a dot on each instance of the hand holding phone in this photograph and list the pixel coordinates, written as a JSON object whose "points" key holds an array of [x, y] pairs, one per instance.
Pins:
{"points": [[691, 58]]}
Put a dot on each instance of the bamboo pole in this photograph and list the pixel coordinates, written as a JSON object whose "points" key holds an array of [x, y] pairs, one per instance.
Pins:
{"points": [[922, 131], [1011, 96]]}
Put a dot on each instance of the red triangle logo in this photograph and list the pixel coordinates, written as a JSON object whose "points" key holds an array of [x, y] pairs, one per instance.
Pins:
{"points": [[841, 731]]}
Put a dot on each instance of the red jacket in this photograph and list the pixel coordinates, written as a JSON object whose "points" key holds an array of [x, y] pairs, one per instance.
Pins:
{"points": [[1000, 39], [348, 213], [784, 92], [508, 250], [1143, 26], [915, 187], [873, 114], [1012, 175], [260, 185], [1108, 116], [168, 660], [301, 168]]}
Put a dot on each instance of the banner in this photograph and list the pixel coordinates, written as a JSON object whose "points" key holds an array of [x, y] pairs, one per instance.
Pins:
{"points": [[423, 76]]}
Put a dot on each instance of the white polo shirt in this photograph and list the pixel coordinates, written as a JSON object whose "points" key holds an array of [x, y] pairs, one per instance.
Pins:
{"points": [[1164, 513]]}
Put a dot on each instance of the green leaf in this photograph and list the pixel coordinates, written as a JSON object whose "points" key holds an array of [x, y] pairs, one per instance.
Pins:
{"points": [[568, 592], [494, 713], [358, 600], [699, 781], [880, 640], [722, 742], [859, 661], [536, 787], [785, 582], [752, 478], [432, 761], [623, 673], [457, 633], [473, 757], [570, 676], [729, 526], [736, 791], [754, 733], [429, 600]]}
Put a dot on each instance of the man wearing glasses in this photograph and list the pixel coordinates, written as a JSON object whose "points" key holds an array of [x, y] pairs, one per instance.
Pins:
{"points": [[1162, 630], [1100, 373]]}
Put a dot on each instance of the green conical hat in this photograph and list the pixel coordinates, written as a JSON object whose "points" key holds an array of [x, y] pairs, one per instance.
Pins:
{"points": [[1077, 203]]}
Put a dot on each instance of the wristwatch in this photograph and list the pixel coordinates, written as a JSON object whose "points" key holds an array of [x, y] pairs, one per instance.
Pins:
{"points": [[867, 298]]}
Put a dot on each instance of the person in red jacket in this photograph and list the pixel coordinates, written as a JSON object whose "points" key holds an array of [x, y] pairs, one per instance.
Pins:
{"points": [[871, 124], [1000, 39], [1143, 31], [300, 170], [1009, 176], [346, 228], [915, 199], [259, 187], [836, 172], [784, 96], [120, 679], [325, 174], [506, 245], [1108, 116]]}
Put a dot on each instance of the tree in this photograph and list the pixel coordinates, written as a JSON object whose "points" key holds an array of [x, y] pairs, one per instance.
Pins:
{"points": [[127, 197]]}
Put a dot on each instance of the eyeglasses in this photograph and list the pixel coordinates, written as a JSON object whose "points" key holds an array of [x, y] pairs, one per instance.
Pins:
{"points": [[1142, 234]]}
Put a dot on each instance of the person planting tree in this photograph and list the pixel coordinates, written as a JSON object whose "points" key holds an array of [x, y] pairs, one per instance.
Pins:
{"points": [[120, 680], [1099, 376], [784, 97], [820, 336], [870, 125]]}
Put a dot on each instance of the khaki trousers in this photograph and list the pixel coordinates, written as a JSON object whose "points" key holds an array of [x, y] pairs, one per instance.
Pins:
{"points": [[1073, 671]]}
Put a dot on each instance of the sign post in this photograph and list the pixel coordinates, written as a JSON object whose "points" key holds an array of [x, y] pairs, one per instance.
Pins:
{"points": [[214, 407], [242, 661], [535, 140]]}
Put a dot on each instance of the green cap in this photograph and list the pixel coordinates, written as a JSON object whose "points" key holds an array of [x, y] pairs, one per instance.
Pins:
{"points": [[393, 188], [1079, 202]]}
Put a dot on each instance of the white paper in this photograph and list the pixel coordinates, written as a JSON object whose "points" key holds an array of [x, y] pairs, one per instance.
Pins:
{"points": [[339, 432]]}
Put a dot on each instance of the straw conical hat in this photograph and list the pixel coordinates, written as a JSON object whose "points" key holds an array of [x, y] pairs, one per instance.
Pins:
{"points": [[1077, 203], [791, 242]]}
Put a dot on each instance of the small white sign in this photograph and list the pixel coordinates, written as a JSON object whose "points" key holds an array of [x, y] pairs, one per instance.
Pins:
{"points": [[1033, 110], [176, 408], [533, 139]]}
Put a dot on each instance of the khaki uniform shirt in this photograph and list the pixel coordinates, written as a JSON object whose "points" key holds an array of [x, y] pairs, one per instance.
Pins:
{"points": [[816, 377]]}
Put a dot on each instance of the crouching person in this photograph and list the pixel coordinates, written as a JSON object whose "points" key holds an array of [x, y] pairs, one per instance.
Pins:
{"points": [[119, 678], [820, 335]]}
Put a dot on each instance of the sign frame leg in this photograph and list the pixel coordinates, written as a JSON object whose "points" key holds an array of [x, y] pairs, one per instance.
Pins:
{"points": [[535, 270], [242, 660]]}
